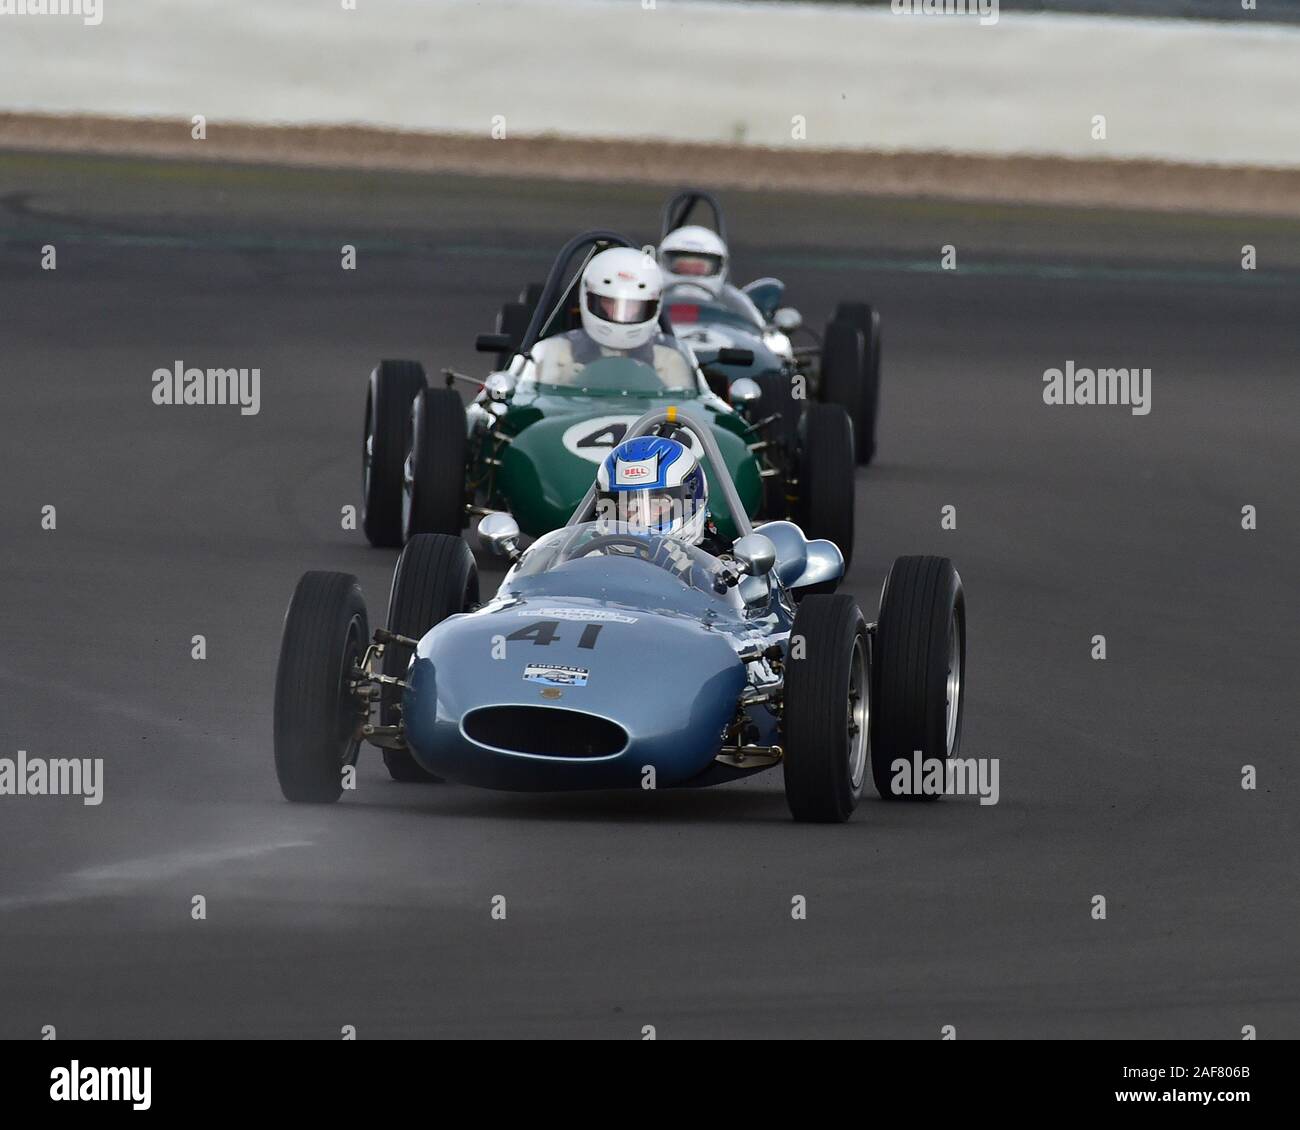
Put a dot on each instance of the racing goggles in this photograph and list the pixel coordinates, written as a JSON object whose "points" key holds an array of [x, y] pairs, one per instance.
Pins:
{"points": [[623, 311]]}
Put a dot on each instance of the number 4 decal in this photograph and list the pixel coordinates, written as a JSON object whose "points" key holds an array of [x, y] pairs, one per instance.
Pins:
{"points": [[543, 633]]}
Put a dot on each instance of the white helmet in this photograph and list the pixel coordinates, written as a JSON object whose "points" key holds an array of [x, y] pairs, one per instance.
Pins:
{"points": [[619, 294], [695, 256]]}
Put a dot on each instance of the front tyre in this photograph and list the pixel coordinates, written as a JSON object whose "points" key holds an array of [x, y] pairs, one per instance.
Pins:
{"points": [[826, 476], [827, 709], [435, 577], [393, 387], [433, 484], [920, 676], [867, 321], [317, 717]]}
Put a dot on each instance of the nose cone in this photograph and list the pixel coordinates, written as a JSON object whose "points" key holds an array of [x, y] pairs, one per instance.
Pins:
{"points": [[568, 695]]}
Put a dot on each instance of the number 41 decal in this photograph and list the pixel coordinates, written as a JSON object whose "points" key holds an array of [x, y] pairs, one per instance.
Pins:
{"points": [[546, 632]]}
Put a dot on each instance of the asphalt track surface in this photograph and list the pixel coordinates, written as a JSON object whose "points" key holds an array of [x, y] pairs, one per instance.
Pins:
{"points": [[1119, 777]]}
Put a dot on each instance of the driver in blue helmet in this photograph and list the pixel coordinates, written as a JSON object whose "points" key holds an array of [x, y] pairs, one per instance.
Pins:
{"points": [[655, 484]]}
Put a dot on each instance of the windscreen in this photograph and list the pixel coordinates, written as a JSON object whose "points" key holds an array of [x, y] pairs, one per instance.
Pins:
{"points": [[616, 540]]}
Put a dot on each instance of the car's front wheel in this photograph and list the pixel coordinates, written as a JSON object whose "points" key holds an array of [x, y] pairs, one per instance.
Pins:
{"points": [[826, 715], [826, 476], [867, 321], [436, 577], [317, 716], [433, 482], [920, 677], [392, 388]]}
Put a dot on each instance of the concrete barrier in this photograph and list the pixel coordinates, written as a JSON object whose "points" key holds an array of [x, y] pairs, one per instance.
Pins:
{"points": [[824, 77]]}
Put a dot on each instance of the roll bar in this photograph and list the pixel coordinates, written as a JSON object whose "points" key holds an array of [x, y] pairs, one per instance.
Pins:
{"points": [[672, 415], [555, 289], [679, 208]]}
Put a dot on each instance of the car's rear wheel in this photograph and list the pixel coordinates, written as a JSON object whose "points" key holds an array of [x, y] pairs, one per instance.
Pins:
{"points": [[826, 716], [867, 320], [920, 676], [843, 375], [435, 577], [317, 717], [433, 481], [826, 476], [393, 387], [512, 320]]}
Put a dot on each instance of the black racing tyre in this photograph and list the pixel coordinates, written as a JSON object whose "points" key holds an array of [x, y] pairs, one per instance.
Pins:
{"points": [[433, 483], [920, 660], [531, 295], [393, 386], [867, 321], [826, 476], [317, 718], [435, 577], [512, 320], [826, 727], [778, 400], [843, 373]]}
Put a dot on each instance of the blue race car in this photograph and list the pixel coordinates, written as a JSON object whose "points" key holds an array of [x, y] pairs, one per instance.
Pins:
{"points": [[610, 659]]}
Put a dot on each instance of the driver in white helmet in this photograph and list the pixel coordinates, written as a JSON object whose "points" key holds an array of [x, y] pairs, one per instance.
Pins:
{"points": [[694, 257], [619, 297], [695, 261]]}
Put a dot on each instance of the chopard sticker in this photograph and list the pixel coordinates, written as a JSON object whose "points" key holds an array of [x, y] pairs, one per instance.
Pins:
{"points": [[584, 615], [555, 675]]}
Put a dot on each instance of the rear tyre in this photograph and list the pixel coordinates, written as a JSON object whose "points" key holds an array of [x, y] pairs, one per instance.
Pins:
{"points": [[827, 711], [512, 320], [920, 674], [433, 481], [531, 295], [867, 321], [843, 375], [317, 718], [435, 577], [826, 476], [393, 386]]}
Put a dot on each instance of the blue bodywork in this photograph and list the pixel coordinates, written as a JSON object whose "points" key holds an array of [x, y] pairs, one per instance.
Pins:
{"points": [[644, 639]]}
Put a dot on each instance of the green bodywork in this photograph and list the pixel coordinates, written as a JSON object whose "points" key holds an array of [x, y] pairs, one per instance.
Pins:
{"points": [[541, 477]]}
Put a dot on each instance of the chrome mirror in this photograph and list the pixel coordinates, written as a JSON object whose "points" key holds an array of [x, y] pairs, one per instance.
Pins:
{"points": [[756, 553], [499, 534]]}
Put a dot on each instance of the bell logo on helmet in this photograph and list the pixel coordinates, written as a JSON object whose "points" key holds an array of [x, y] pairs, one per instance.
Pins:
{"points": [[635, 472]]}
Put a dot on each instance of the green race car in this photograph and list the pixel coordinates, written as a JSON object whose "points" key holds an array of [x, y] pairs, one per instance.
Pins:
{"points": [[535, 432]]}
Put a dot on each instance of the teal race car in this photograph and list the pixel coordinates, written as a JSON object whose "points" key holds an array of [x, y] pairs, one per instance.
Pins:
{"points": [[531, 439], [841, 365]]}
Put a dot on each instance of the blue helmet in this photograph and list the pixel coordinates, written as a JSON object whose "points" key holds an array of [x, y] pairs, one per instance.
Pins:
{"points": [[654, 484]]}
